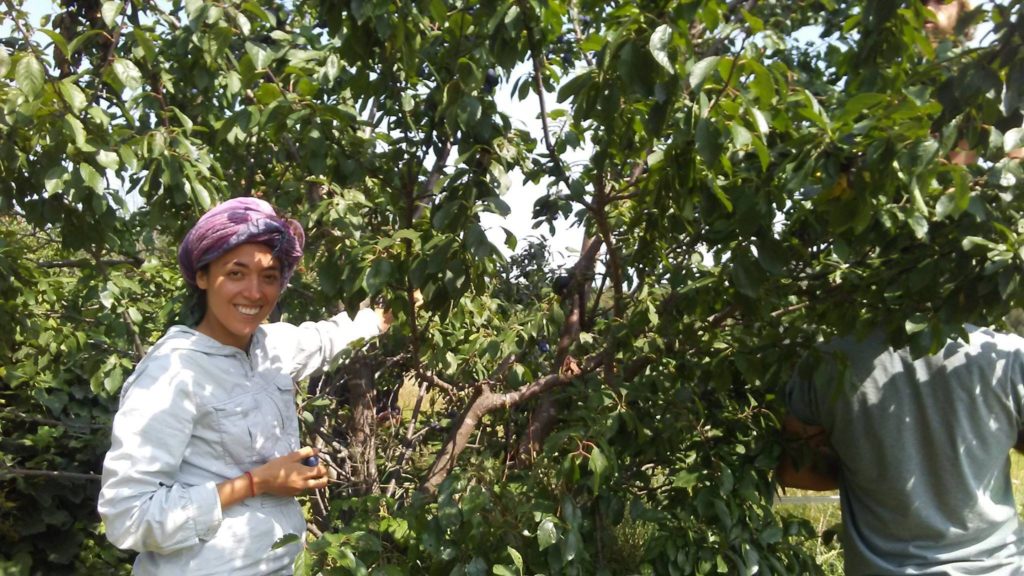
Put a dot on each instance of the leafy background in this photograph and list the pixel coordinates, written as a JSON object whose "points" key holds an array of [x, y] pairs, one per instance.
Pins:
{"points": [[748, 189]]}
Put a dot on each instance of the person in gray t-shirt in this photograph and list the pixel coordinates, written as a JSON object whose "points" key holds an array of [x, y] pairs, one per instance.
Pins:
{"points": [[918, 448]]}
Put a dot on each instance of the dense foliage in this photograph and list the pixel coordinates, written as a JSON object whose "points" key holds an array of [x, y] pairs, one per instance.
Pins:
{"points": [[759, 175]]}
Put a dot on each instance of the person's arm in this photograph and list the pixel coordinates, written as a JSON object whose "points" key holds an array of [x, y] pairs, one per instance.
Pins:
{"points": [[141, 502], [808, 461], [282, 476]]}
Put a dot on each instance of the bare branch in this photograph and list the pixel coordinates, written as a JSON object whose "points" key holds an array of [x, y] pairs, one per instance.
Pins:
{"points": [[14, 415], [432, 379], [55, 474], [488, 401], [135, 261]]}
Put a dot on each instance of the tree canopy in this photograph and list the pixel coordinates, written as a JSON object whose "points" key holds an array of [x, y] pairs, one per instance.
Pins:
{"points": [[758, 176]]}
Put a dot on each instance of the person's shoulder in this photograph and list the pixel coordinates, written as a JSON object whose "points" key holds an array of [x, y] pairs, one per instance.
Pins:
{"points": [[173, 360]]}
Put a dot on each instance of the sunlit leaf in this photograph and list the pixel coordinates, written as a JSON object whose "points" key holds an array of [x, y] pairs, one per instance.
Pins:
{"points": [[659, 44], [29, 76], [127, 73], [110, 10], [702, 69]]}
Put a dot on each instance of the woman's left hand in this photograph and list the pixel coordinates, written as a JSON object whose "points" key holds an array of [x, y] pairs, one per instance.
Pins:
{"points": [[288, 476]]}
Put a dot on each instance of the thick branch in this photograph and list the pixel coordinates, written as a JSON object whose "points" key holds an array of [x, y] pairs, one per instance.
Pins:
{"points": [[433, 380], [362, 445], [488, 401], [545, 415]]}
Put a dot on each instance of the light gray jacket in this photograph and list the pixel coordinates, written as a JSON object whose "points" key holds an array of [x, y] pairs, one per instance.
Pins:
{"points": [[196, 413]]}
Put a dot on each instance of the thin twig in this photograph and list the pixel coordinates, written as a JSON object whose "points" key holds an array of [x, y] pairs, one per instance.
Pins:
{"points": [[55, 474]]}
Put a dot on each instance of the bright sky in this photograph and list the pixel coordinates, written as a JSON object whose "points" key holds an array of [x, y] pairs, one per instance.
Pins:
{"points": [[565, 244]]}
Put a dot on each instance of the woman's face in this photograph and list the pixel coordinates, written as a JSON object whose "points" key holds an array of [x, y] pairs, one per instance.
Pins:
{"points": [[242, 287]]}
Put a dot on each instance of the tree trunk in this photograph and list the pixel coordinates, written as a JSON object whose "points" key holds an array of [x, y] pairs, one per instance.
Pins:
{"points": [[362, 447]]}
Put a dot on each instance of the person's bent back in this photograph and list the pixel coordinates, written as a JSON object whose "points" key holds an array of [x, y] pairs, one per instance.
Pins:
{"points": [[923, 451]]}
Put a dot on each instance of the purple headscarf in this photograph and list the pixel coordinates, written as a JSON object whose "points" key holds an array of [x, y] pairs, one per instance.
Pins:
{"points": [[233, 223]]}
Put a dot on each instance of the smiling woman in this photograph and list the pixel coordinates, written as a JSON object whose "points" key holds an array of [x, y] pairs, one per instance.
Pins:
{"points": [[205, 462]]}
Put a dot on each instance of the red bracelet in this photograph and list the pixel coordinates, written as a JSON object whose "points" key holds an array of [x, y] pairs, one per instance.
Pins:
{"points": [[252, 484]]}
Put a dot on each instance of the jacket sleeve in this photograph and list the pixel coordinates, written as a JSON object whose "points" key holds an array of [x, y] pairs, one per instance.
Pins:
{"points": [[316, 346], [142, 505]]}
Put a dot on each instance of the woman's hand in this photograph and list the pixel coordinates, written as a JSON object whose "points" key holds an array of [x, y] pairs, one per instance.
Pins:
{"points": [[288, 476], [384, 317]]}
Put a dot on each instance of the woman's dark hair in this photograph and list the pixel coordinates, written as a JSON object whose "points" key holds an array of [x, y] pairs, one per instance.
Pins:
{"points": [[194, 307]]}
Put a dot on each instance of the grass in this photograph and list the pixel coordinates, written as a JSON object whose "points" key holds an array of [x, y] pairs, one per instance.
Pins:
{"points": [[826, 518]]}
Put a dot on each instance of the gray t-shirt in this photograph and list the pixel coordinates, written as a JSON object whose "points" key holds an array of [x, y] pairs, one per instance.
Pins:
{"points": [[924, 448]]}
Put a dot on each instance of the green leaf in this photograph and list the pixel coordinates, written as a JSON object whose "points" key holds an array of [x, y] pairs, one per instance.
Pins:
{"points": [[233, 82], [192, 7], [332, 67], [107, 159], [200, 193], [76, 44], [29, 76], [510, 239], [110, 10], [185, 121], [268, 93], [73, 95], [755, 23], [761, 85], [502, 570], [244, 26], [659, 44], [284, 541], [303, 563], [378, 276], [760, 121], [701, 69], [77, 129], [547, 533], [861, 104], [127, 73], [813, 111], [915, 324], [58, 40], [107, 298], [598, 464], [575, 85], [571, 546], [55, 179], [709, 144], [91, 177], [685, 479], [517, 558], [974, 242], [259, 54], [5, 62], [741, 137], [468, 112]]}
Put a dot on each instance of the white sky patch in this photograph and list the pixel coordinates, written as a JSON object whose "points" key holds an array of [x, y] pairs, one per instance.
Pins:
{"points": [[564, 244]]}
